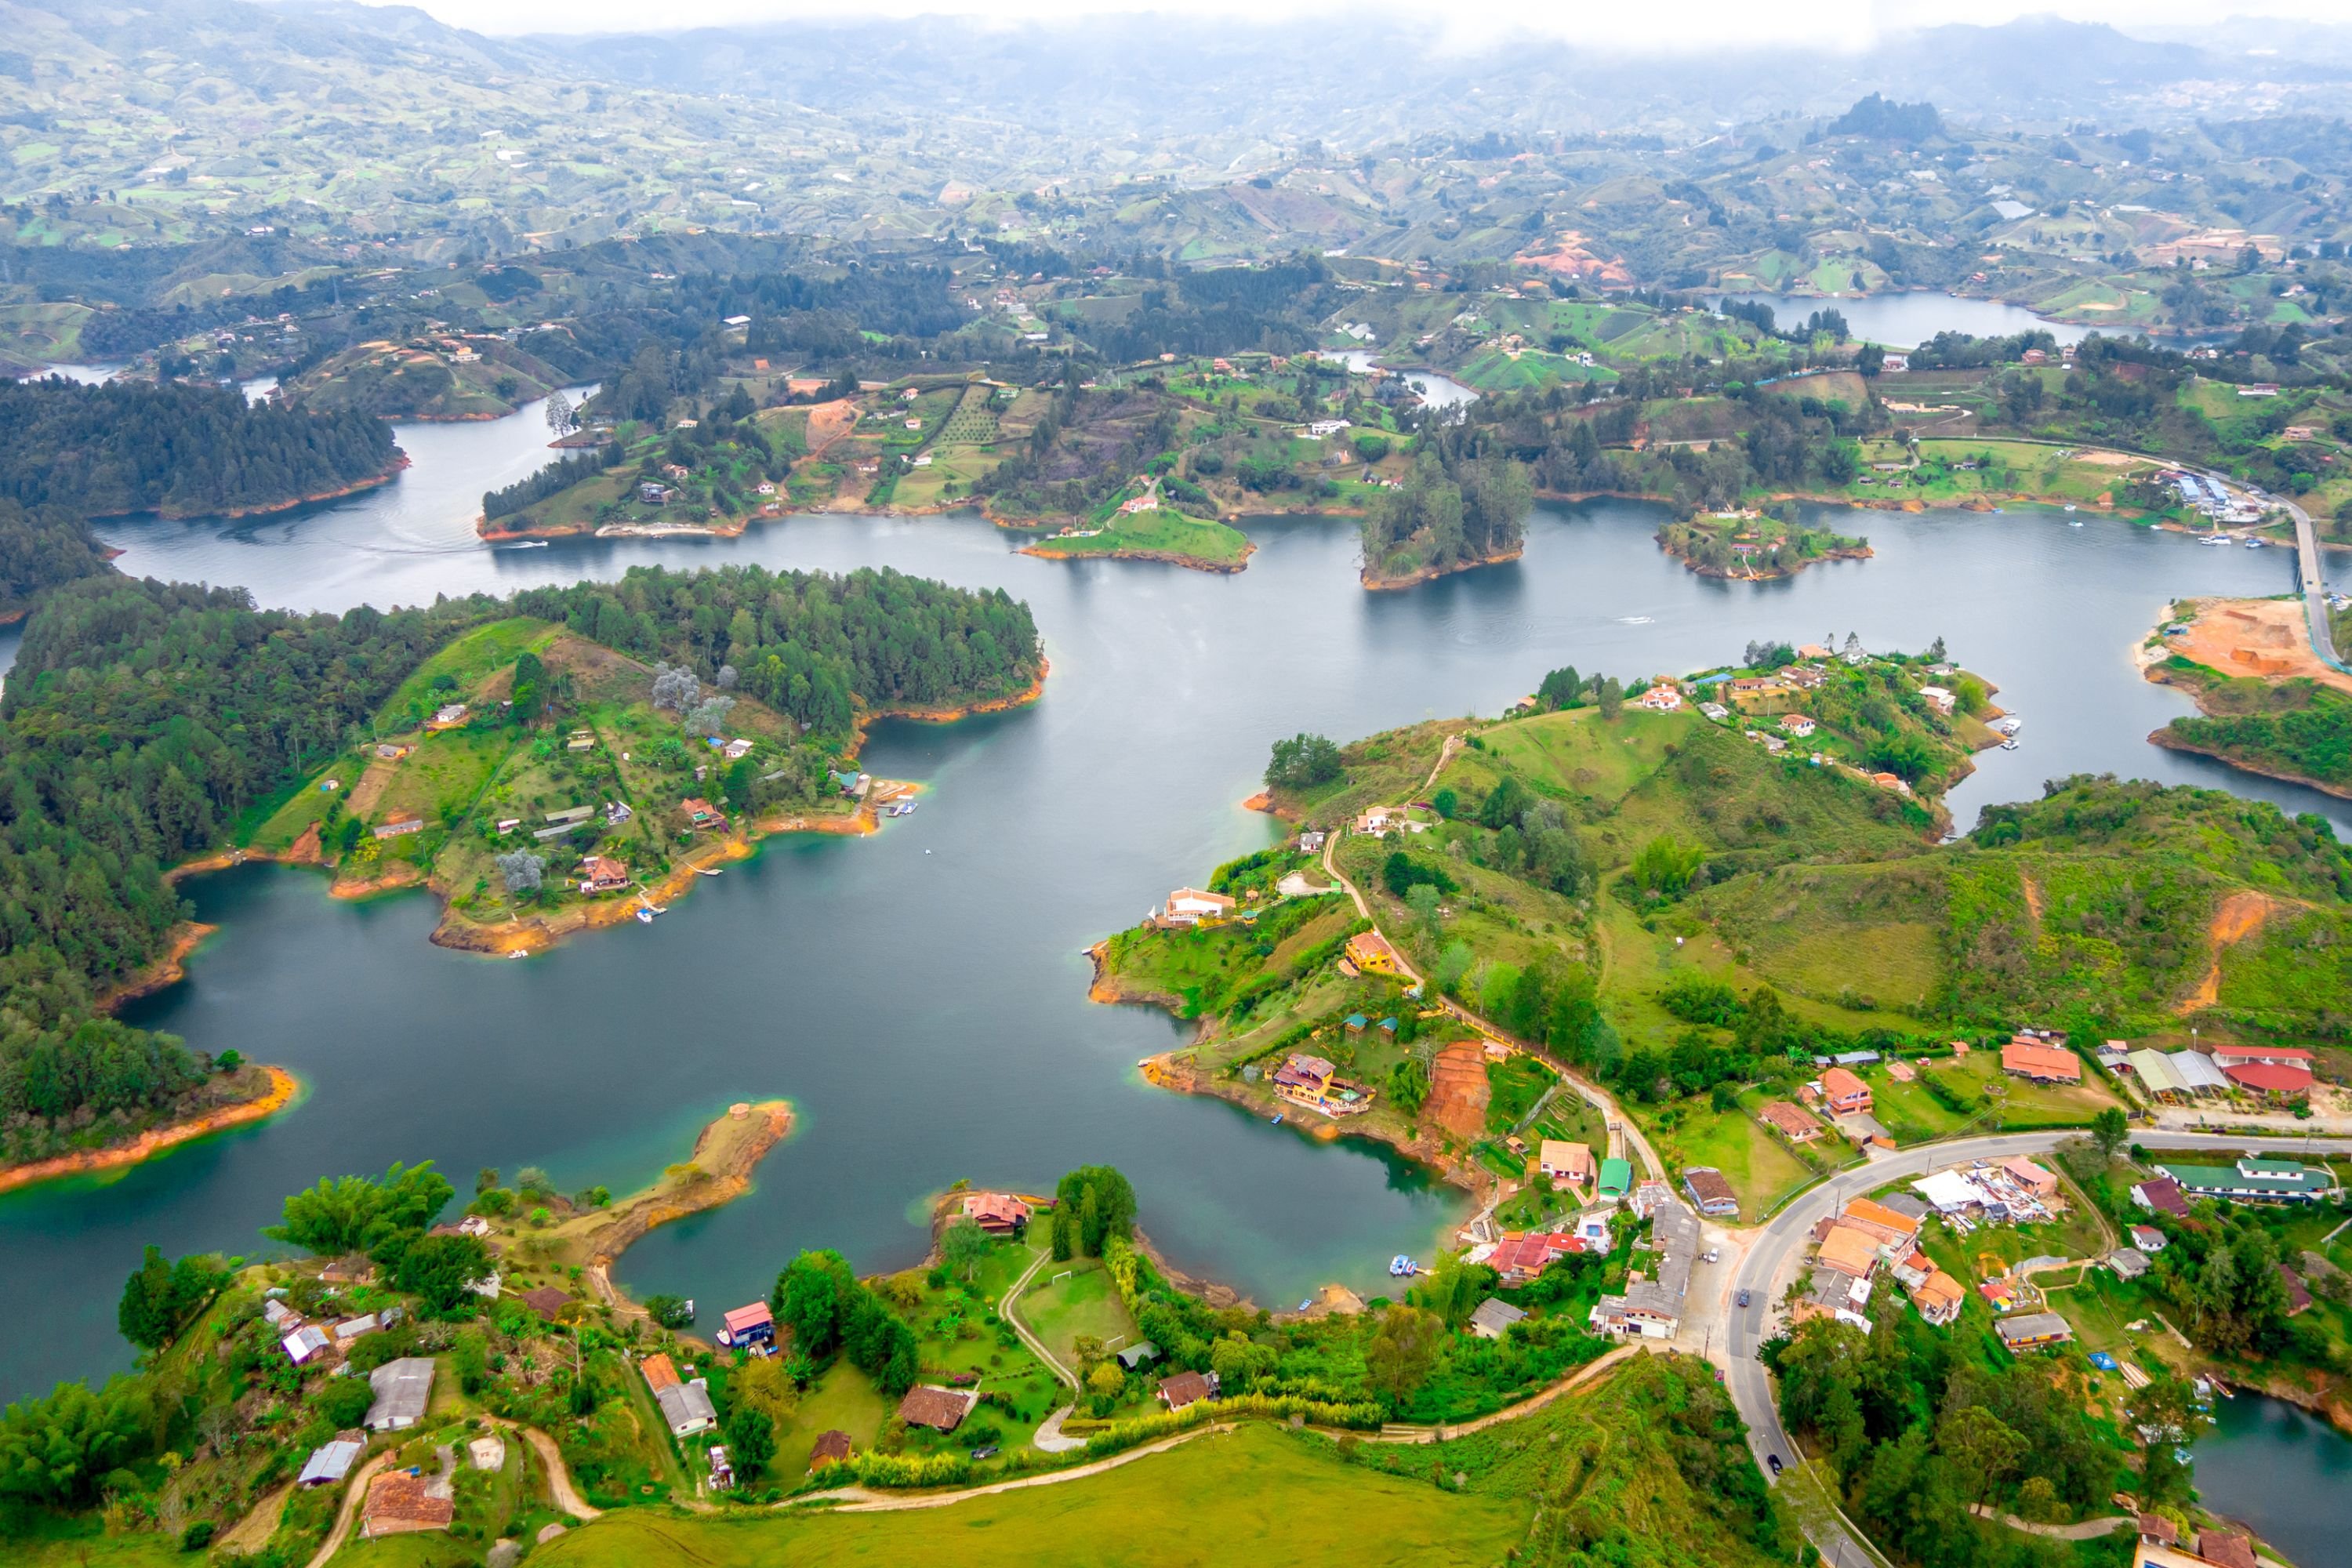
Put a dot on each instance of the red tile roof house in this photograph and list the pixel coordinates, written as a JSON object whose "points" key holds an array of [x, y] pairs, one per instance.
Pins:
{"points": [[998, 1213], [701, 813], [2032, 1059], [599, 875], [1844, 1091], [2227, 1548], [1187, 1388], [401, 1503], [1519, 1258], [940, 1408], [1792, 1122]]}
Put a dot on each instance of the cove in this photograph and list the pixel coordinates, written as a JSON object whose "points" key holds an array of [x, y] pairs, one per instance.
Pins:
{"points": [[1909, 317], [920, 996], [2284, 1471]]}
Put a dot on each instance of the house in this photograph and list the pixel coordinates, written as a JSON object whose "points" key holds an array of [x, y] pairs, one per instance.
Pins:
{"points": [[1520, 1256], [701, 813], [2282, 1083], [2226, 1548], [305, 1342], [1616, 1177], [2162, 1195], [2040, 1063], [686, 1407], [330, 1462], [1563, 1160], [1889, 782], [942, 1409], [1830, 1294], [2155, 1529], [448, 716], [736, 749], [1187, 1388], [2032, 1331], [1887, 1226], [1912, 1269], [752, 1325], [351, 1329], [2128, 1263], [1850, 1250], [2272, 1056], [1370, 951], [832, 1449], [403, 1389], [1844, 1092], [1652, 1307], [1187, 905], [654, 493], [1710, 1191], [1792, 1122], [281, 1316], [998, 1213], [1136, 1354], [400, 827], [1798, 725], [1660, 699], [400, 1503], [1314, 1083], [2253, 1180], [722, 1472], [2298, 1294], [2147, 1237], [1494, 1318], [2041, 1184], [599, 875], [1938, 1299], [581, 741], [1939, 699], [1714, 710], [547, 1300]]}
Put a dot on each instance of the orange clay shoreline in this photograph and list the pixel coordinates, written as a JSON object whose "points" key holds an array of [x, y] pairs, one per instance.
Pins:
{"points": [[283, 1087]]}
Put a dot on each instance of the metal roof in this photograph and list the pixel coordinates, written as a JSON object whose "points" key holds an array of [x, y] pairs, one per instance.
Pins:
{"points": [[403, 1389]]}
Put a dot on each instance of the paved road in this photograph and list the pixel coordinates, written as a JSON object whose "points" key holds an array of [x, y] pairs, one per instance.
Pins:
{"points": [[1780, 1244], [2315, 584]]}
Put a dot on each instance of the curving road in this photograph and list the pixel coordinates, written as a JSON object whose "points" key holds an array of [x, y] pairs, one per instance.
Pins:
{"points": [[1779, 1245]]}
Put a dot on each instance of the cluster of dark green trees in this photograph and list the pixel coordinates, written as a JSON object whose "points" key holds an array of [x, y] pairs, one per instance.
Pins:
{"points": [[185, 451], [831, 1312], [1452, 508], [41, 547], [812, 645], [553, 479]]}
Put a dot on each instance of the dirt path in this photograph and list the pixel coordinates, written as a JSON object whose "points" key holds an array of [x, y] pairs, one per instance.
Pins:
{"points": [[559, 1479], [1445, 756], [353, 1496], [2086, 1530], [1048, 1438], [859, 1499], [252, 1533], [2235, 918], [1528, 1407]]}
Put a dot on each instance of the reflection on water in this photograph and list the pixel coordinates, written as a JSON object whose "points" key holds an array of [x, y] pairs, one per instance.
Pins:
{"points": [[1909, 318]]}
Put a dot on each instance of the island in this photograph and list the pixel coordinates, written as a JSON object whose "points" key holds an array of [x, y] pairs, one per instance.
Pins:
{"points": [[1754, 546], [2268, 705], [226, 1095]]}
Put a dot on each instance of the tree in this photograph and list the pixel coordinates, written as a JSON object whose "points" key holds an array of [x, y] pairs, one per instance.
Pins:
{"points": [[751, 1440], [559, 417], [523, 872], [1610, 697], [438, 1268], [530, 687], [2109, 1130], [676, 688], [1561, 689], [1302, 762], [1398, 1356], [964, 1248], [811, 1300], [357, 1213], [1422, 900], [161, 1298], [56, 1450], [1104, 1203], [670, 1312], [709, 716], [1981, 1445]]}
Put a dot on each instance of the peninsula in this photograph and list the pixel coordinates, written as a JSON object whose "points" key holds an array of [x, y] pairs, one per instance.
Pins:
{"points": [[2268, 705]]}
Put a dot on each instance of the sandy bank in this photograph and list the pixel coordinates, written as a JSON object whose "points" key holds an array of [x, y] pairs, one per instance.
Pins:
{"points": [[278, 1090]]}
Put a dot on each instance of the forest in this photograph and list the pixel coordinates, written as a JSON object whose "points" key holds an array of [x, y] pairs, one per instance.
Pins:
{"points": [[41, 547], [185, 451], [111, 773]]}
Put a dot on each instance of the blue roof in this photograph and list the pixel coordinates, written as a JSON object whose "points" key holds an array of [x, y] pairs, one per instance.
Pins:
{"points": [[1389, 1024], [1709, 679], [1355, 1020]]}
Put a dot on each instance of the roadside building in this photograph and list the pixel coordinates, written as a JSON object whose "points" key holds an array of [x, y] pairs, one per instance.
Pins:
{"points": [[1651, 1305], [1938, 1299], [2254, 1179], [1187, 1388], [1616, 1177], [1711, 1193], [1850, 1250], [1889, 1227], [1563, 1160], [2038, 1062], [1844, 1092], [2154, 1070], [1370, 951], [1794, 1122], [2271, 1082], [2041, 1184], [401, 1503]]}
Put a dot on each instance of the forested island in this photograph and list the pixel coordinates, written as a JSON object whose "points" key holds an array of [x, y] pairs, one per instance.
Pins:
{"points": [[180, 450], [699, 697]]}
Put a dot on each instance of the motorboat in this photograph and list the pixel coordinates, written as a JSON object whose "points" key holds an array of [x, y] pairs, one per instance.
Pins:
{"points": [[644, 916], [1403, 1268], [2008, 745]]}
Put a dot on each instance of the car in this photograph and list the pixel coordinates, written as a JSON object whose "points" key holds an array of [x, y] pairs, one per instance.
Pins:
{"points": [[985, 1451], [1742, 1299], [1774, 1461], [1709, 1256]]}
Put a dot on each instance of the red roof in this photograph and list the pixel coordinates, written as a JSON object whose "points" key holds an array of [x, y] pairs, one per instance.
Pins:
{"points": [[2276, 1054], [2040, 1061], [2164, 1194], [660, 1372], [750, 1317], [2270, 1078]]}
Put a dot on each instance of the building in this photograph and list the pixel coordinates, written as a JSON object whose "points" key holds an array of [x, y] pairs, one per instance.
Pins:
{"points": [[2226, 1548], [1370, 951], [403, 1389], [1938, 698], [329, 1463], [686, 1407], [1938, 1299], [998, 1213], [752, 1325], [1187, 905], [2254, 1179], [2154, 1071], [1562, 1160], [1313, 1083], [2271, 1082], [1887, 1226], [1794, 1122], [1850, 1250], [599, 875], [2128, 1263], [2270, 1055], [1136, 1354], [400, 827], [942, 1409], [448, 716], [400, 1503], [1520, 1256], [351, 1329], [832, 1447], [1798, 725], [547, 1301], [2147, 1237], [1710, 1192], [305, 1342], [1830, 1294], [1616, 1177], [1187, 1388], [1844, 1092], [2041, 1184], [1660, 698], [1494, 1318], [2030, 1331], [2040, 1062], [701, 813], [1652, 1307], [2162, 1195]]}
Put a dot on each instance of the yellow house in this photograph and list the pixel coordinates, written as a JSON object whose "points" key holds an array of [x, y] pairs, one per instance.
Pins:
{"points": [[1371, 952]]}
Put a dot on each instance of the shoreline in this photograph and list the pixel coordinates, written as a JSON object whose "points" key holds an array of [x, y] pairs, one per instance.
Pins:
{"points": [[1842, 552], [283, 1085], [400, 461], [1042, 551], [2152, 662], [1375, 581]]}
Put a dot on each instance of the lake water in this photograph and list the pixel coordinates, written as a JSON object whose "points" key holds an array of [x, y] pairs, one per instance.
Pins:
{"points": [[1910, 317], [920, 994], [2283, 1470]]}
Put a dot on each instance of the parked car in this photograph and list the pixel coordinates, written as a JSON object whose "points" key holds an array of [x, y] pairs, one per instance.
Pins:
{"points": [[1742, 1297], [1774, 1460], [985, 1451]]}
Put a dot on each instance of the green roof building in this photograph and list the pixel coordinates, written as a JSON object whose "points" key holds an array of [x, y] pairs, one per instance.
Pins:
{"points": [[2254, 1179], [1616, 1178]]}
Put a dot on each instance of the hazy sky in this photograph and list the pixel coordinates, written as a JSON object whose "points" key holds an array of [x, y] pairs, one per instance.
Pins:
{"points": [[1661, 24]]}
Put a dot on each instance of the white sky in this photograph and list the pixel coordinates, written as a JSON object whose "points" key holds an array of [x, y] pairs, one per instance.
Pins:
{"points": [[1658, 25]]}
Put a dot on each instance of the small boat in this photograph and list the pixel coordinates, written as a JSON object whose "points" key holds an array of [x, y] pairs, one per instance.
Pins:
{"points": [[1403, 1268], [1278, 1120], [2008, 745], [2253, 544], [526, 544], [2213, 539], [2070, 506], [644, 915], [701, 872]]}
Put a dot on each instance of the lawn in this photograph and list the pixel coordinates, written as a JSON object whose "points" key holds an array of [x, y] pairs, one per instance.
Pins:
{"points": [[1759, 1167], [466, 660], [1060, 1310], [844, 1399], [1253, 1495], [1164, 532]]}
